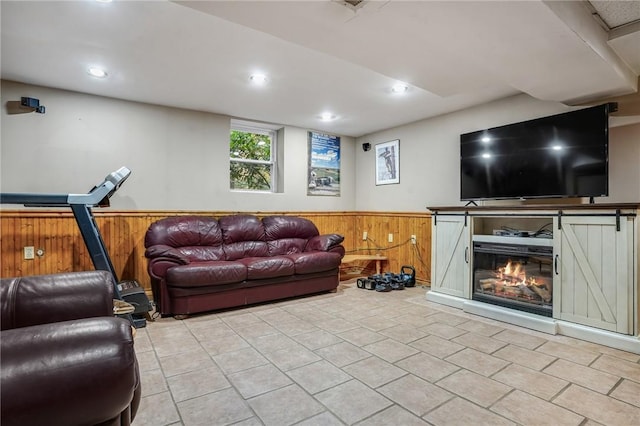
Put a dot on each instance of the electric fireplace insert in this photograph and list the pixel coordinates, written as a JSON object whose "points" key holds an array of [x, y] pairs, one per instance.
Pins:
{"points": [[514, 273]]}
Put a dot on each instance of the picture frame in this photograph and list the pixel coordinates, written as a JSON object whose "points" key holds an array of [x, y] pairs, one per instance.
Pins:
{"points": [[388, 162], [323, 165]]}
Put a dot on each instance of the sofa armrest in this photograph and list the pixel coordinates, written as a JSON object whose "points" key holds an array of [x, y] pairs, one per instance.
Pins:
{"points": [[41, 299], [166, 252], [324, 242], [68, 373]]}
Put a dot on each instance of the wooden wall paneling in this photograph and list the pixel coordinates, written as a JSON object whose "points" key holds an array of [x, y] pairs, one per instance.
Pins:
{"points": [[19, 237], [36, 239], [110, 236], [63, 244], [42, 241], [76, 245], [123, 233], [334, 223], [134, 264], [57, 243], [126, 246], [400, 252], [394, 252], [31, 266], [7, 246], [4, 248], [26, 239], [405, 248], [421, 251], [373, 229]]}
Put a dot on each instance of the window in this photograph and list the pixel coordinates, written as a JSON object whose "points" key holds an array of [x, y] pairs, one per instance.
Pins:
{"points": [[252, 154]]}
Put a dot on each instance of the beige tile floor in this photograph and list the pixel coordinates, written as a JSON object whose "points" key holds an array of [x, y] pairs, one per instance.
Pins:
{"points": [[367, 358]]}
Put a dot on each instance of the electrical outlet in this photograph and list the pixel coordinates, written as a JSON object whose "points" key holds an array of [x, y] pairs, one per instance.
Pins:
{"points": [[413, 239], [390, 238], [29, 252], [364, 236]]}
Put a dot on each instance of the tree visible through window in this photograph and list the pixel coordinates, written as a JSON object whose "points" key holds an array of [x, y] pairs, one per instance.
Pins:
{"points": [[252, 163]]}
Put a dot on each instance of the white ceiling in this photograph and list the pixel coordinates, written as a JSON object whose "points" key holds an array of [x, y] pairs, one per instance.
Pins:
{"points": [[324, 56]]}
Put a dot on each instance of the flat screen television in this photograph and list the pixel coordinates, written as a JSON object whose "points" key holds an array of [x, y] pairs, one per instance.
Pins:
{"points": [[564, 155]]}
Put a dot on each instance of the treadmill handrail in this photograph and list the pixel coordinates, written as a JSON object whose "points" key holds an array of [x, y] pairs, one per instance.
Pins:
{"points": [[103, 190], [58, 200], [24, 198]]}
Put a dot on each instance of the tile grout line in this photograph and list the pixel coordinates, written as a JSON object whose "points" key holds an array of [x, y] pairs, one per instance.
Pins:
{"points": [[339, 310]]}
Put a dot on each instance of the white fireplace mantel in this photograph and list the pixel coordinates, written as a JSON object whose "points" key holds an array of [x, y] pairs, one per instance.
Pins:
{"points": [[595, 282]]}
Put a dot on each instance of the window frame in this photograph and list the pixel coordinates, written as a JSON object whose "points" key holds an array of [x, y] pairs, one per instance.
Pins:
{"points": [[262, 129]]}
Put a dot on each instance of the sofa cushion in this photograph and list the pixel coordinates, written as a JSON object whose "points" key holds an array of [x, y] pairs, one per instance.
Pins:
{"points": [[211, 273], [310, 262], [268, 267], [243, 236], [286, 246], [188, 233], [241, 228], [276, 227], [201, 253], [287, 234], [242, 249]]}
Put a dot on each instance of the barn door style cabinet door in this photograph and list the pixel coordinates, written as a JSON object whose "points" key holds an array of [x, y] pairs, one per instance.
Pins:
{"points": [[594, 268], [593, 271], [451, 239]]}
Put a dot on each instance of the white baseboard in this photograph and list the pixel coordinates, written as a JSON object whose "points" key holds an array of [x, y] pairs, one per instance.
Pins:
{"points": [[511, 316], [539, 323], [603, 337], [445, 299]]}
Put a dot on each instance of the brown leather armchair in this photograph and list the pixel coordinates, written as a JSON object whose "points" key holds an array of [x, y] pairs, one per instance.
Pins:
{"points": [[65, 358]]}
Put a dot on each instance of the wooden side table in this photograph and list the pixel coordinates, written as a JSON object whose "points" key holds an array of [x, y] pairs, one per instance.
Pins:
{"points": [[350, 258]]}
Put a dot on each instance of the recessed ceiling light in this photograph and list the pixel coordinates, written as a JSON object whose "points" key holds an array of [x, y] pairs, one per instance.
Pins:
{"points": [[486, 139], [258, 78], [327, 116], [399, 88], [97, 72]]}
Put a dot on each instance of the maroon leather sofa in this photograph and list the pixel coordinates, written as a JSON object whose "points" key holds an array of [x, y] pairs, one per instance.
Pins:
{"points": [[65, 359], [199, 263]]}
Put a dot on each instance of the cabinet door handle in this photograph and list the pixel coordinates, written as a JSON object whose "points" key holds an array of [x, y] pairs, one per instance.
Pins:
{"points": [[466, 254], [555, 264]]}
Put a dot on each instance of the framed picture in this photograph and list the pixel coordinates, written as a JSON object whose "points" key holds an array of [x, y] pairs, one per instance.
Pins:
{"points": [[324, 165], [388, 162]]}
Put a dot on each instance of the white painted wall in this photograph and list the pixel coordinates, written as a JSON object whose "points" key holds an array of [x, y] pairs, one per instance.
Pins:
{"points": [[430, 156], [624, 163], [179, 158]]}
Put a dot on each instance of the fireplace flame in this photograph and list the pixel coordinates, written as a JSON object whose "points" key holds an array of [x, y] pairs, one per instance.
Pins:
{"points": [[511, 280], [512, 274]]}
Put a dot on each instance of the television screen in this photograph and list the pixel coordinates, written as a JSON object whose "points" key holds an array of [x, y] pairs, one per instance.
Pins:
{"points": [[564, 155]]}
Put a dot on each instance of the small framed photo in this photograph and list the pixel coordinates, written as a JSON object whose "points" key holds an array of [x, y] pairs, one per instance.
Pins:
{"points": [[388, 162]]}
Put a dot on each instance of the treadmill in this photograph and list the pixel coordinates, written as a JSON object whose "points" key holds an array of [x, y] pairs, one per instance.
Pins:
{"points": [[81, 205]]}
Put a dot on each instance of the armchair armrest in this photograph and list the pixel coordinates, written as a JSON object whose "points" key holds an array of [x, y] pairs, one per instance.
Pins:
{"points": [[74, 372], [42, 299], [324, 242]]}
